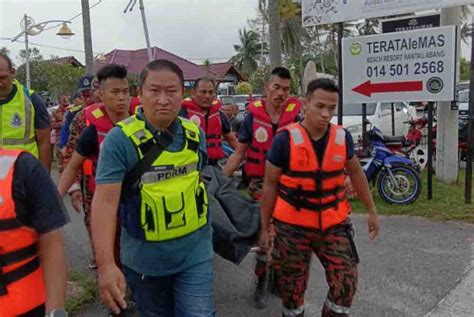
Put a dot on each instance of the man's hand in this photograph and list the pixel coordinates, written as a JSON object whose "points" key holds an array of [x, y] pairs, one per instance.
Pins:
{"points": [[76, 200], [112, 287], [264, 240], [373, 223], [349, 189]]}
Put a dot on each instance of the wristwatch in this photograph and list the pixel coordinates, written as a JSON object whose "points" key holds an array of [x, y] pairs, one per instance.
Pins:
{"points": [[57, 313]]}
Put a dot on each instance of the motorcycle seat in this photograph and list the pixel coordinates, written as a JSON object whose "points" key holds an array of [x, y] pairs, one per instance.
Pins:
{"points": [[394, 139]]}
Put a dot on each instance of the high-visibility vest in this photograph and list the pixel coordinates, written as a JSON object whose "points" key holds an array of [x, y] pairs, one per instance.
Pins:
{"points": [[96, 115], [262, 133], [17, 124], [211, 125], [309, 194], [172, 200], [22, 285]]}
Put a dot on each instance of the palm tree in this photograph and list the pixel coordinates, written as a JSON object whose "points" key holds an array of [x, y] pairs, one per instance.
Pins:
{"points": [[206, 64], [466, 28], [368, 26], [275, 34], [248, 52]]}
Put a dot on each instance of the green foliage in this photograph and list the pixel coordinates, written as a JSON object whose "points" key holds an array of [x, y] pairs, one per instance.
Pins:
{"points": [[248, 51], [243, 88], [85, 292], [258, 78], [57, 79], [465, 69]]}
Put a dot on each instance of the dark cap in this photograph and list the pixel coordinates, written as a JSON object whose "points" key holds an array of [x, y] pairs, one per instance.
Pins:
{"points": [[85, 83]]}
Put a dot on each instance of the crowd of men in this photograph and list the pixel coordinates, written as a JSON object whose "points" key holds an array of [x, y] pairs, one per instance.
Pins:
{"points": [[134, 171]]}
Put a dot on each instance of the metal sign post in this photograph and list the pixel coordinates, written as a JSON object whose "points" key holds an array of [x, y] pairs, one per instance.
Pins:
{"points": [[392, 108], [340, 34], [430, 151], [470, 133]]}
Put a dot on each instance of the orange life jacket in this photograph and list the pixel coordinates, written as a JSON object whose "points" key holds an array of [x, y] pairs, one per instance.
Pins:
{"points": [[262, 132], [22, 285], [96, 115], [310, 195], [211, 125]]}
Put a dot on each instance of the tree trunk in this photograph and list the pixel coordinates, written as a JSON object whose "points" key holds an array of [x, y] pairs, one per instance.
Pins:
{"points": [[86, 25], [274, 31]]}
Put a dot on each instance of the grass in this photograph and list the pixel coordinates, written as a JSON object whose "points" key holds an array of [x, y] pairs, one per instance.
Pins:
{"points": [[82, 290], [447, 203]]}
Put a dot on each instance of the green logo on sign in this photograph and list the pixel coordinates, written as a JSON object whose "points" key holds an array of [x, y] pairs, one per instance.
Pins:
{"points": [[355, 49]]}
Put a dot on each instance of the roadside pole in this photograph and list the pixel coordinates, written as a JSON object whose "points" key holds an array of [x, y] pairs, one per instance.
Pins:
{"points": [[340, 34], [470, 132], [447, 119], [430, 151]]}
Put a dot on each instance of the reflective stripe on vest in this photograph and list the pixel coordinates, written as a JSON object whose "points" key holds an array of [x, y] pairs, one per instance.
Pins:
{"points": [[262, 133], [172, 199], [311, 195], [22, 285], [17, 129]]}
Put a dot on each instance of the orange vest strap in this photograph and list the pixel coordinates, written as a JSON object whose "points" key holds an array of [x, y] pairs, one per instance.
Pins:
{"points": [[9, 224], [17, 274]]}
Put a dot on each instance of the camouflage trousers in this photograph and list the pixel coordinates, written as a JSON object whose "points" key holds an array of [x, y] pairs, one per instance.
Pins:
{"points": [[255, 188], [335, 250]]}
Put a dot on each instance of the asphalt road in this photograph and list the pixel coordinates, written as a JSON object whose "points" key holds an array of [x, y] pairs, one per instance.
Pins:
{"points": [[416, 268]]}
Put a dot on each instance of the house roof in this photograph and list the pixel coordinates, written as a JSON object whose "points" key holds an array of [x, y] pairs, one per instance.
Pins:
{"points": [[65, 60], [222, 69], [136, 60]]}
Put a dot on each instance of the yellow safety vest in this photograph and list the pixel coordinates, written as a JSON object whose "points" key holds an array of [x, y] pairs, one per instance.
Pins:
{"points": [[17, 128], [173, 200]]}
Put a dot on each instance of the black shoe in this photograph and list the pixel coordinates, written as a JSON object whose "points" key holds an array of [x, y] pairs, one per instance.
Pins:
{"points": [[260, 297]]}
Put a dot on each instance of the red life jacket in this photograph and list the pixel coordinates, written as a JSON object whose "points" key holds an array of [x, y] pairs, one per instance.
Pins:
{"points": [[96, 115], [22, 285], [262, 132], [312, 195], [211, 125]]}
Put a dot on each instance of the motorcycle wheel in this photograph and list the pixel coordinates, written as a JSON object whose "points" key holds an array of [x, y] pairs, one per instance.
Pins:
{"points": [[408, 187]]}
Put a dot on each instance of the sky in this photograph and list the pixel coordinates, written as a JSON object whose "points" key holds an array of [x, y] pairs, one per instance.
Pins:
{"points": [[193, 29]]}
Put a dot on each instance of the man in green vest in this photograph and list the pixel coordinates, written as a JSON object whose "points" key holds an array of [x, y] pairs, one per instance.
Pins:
{"points": [[24, 119], [166, 240]]}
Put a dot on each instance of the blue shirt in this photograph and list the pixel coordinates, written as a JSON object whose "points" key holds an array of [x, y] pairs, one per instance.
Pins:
{"points": [[117, 157]]}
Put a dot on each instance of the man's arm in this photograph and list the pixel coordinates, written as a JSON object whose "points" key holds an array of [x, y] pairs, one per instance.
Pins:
{"points": [[269, 193], [235, 159], [231, 139], [68, 176], [103, 223], [53, 261], [361, 186], [44, 146]]}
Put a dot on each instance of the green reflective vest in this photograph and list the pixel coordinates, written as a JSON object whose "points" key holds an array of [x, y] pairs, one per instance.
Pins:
{"points": [[17, 127], [173, 200]]}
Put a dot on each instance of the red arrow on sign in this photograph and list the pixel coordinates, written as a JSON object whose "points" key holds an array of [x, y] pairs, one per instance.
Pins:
{"points": [[367, 88]]}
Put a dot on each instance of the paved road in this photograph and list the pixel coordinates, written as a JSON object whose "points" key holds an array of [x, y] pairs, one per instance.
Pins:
{"points": [[416, 268]]}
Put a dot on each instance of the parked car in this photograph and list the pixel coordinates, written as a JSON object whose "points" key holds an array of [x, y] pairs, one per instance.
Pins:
{"points": [[240, 100], [462, 85], [380, 115], [463, 99]]}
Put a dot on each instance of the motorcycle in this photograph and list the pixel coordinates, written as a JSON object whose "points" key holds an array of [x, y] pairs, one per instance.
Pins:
{"points": [[396, 177]]}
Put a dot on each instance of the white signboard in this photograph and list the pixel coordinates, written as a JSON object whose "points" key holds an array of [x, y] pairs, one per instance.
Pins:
{"points": [[317, 12], [409, 66]]}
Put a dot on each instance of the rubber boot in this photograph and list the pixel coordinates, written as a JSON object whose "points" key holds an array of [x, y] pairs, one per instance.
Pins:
{"points": [[297, 315], [260, 296], [329, 313]]}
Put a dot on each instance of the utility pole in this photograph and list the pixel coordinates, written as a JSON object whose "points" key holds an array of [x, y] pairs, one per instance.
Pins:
{"points": [[470, 131], [275, 33], [447, 119], [86, 25]]}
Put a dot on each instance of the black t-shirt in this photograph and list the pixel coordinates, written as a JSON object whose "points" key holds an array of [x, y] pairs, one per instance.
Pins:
{"points": [[246, 129], [36, 198], [225, 122], [279, 154], [41, 120], [88, 144]]}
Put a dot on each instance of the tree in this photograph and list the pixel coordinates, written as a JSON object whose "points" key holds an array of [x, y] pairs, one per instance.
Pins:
{"points": [[258, 77], [5, 51], [368, 26], [243, 88], [35, 55], [206, 64], [465, 69], [275, 34], [248, 51]]}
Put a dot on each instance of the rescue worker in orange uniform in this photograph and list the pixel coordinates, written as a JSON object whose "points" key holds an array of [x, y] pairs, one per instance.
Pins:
{"points": [[100, 119], [204, 110], [256, 134], [304, 193], [33, 271]]}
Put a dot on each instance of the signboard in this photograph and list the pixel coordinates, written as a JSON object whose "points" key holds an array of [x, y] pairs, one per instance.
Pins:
{"points": [[317, 12], [409, 66], [410, 23]]}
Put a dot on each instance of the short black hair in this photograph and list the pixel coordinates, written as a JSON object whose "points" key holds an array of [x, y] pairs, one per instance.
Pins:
{"points": [[204, 80], [111, 71], [281, 72], [8, 60], [160, 64], [325, 84]]}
